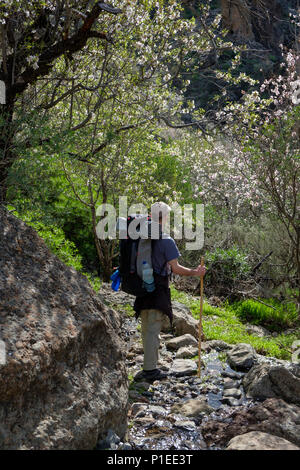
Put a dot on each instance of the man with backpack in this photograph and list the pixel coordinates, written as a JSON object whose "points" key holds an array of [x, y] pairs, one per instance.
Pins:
{"points": [[152, 306]]}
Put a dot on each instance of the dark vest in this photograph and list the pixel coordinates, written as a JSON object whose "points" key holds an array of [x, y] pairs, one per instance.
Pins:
{"points": [[159, 299]]}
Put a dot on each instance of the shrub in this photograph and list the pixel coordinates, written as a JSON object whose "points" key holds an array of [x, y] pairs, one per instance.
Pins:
{"points": [[225, 269]]}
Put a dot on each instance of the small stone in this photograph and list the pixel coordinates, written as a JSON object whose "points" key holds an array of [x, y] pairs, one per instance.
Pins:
{"points": [[229, 383], [218, 345], [38, 346], [230, 401], [142, 385], [259, 331], [157, 410], [192, 408], [145, 421], [231, 375], [126, 446], [185, 340], [187, 425], [182, 367], [186, 352], [133, 394], [137, 408], [241, 356], [232, 392]]}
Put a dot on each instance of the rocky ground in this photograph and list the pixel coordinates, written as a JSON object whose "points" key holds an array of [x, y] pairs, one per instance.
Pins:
{"points": [[242, 400]]}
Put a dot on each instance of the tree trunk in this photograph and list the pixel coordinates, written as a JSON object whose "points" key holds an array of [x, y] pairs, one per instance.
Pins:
{"points": [[7, 156], [103, 251]]}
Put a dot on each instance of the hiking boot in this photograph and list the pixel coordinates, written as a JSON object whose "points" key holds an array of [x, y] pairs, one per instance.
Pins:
{"points": [[155, 374]]}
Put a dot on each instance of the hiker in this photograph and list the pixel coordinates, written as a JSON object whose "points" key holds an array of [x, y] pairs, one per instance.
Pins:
{"points": [[153, 306]]}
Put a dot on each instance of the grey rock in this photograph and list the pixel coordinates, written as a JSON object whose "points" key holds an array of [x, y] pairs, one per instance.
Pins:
{"points": [[145, 421], [257, 440], [272, 416], [231, 375], [66, 383], [259, 331], [241, 356], [232, 392], [137, 408], [134, 394], [185, 340], [183, 321], [187, 425], [285, 384], [295, 370], [257, 382], [218, 345], [192, 408], [186, 352], [126, 446], [230, 383], [231, 401], [182, 367], [266, 381], [157, 411]]}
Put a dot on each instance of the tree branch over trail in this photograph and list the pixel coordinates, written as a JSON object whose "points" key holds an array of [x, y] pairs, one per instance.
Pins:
{"points": [[48, 50]]}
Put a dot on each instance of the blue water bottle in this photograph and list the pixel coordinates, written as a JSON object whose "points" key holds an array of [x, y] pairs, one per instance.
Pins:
{"points": [[116, 280], [148, 279]]}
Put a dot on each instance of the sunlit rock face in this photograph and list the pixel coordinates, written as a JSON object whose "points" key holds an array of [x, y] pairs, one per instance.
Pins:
{"points": [[63, 381]]}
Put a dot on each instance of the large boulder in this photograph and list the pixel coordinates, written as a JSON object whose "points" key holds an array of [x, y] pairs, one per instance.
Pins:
{"points": [[257, 440], [257, 382], [266, 381], [242, 356], [63, 381], [273, 416], [183, 321]]}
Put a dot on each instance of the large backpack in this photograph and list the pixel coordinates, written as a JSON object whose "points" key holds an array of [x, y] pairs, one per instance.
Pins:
{"points": [[134, 251]]}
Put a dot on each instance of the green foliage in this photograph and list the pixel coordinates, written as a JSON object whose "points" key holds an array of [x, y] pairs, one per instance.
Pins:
{"points": [[226, 325], [95, 281], [228, 264], [55, 239], [193, 303], [37, 180], [58, 244], [225, 267], [271, 314]]}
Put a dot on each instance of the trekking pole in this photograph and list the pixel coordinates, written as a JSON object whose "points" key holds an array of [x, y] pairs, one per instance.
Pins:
{"points": [[200, 321]]}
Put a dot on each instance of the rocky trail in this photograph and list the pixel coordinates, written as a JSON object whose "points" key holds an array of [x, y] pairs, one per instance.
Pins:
{"points": [[242, 400], [69, 357]]}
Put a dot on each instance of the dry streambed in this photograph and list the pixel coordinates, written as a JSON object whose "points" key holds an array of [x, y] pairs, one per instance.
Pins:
{"points": [[239, 402]]}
